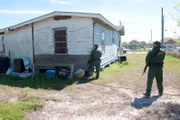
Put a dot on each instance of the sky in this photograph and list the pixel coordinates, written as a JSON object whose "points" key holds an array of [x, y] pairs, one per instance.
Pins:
{"points": [[139, 17]]}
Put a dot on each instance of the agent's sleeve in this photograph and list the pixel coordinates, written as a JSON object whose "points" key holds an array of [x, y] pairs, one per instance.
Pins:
{"points": [[148, 58], [91, 56]]}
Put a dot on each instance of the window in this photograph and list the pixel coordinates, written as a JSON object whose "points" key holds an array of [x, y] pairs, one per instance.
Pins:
{"points": [[103, 43], [113, 38], [60, 40], [2, 48]]}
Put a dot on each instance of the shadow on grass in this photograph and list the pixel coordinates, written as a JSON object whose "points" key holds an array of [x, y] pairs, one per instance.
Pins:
{"points": [[142, 102], [85, 80], [40, 81]]}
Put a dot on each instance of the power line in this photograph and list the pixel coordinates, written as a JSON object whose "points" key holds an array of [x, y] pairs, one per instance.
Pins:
{"points": [[138, 32], [148, 31]]}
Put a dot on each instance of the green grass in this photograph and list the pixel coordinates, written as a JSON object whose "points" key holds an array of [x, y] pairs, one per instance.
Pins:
{"points": [[116, 70], [171, 59], [40, 81], [140, 50], [17, 111], [133, 63]]}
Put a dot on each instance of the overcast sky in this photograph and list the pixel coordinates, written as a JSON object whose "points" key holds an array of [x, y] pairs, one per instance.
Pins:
{"points": [[138, 16]]}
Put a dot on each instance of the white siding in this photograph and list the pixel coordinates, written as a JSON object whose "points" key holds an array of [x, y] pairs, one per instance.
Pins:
{"points": [[19, 43], [1, 43], [79, 35], [111, 48]]}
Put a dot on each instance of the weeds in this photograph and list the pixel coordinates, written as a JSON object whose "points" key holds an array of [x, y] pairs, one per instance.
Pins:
{"points": [[17, 111], [125, 63]]}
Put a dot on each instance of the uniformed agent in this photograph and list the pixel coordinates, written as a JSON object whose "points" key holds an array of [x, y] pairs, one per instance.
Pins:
{"points": [[155, 61], [94, 61]]}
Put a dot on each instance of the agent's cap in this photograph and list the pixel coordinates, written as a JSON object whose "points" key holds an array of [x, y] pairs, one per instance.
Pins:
{"points": [[96, 45], [157, 43]]}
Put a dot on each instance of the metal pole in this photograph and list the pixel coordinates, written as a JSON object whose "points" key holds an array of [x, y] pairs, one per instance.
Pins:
{"points": [[162, 22]]}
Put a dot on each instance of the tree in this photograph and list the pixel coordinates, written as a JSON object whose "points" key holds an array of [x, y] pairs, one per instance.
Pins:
{"points": [[176, 14], [124, 43]]}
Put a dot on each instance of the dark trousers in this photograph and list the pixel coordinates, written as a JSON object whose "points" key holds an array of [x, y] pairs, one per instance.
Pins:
{"points": [[91, 66], [155, 72]]}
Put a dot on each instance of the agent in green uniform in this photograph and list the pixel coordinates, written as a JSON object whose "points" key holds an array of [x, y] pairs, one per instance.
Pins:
{"points": [[155, 61], [94, 61]]}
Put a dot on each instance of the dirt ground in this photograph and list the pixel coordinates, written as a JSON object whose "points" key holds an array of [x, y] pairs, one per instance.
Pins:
{"points": [[111, 101]]}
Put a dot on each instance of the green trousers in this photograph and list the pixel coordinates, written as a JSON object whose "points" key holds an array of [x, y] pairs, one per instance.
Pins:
{"points": [[91, 66], [155, 72]]}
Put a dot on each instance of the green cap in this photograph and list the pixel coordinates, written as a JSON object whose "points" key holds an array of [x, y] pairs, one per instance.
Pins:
{"points": [[157, 43]]}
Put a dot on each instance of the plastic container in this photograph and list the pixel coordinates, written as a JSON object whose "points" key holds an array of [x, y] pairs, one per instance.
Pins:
{"points": [[50, 73]]}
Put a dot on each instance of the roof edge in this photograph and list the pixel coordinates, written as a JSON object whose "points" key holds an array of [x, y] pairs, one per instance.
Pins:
{"points": [[83, 14]]}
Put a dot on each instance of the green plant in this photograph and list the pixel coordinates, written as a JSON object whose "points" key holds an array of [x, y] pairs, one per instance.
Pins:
{"points": [[125, 63], [17, 111]]}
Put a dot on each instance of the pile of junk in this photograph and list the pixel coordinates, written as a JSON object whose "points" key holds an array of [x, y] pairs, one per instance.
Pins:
{"points": [[20, 67], [65, 73]]}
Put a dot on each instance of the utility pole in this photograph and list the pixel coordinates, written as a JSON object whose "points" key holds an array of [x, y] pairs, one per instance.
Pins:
{"points": [[162, 24]]}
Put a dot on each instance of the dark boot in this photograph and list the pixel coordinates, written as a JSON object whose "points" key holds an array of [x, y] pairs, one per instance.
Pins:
{"points": [[160, 93], [146, 95]]}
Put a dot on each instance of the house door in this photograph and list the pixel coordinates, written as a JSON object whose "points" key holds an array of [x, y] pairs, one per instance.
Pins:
{"points": [[60, 40]]}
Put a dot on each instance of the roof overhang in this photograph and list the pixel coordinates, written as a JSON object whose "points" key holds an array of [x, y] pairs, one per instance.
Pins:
{"points": [[121, 30], [58, 13]]}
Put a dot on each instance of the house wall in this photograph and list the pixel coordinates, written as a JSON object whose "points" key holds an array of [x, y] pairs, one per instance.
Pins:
{"points": [[19, 43], [111, 48], [79, 41], [79, 35], [2, 46]]}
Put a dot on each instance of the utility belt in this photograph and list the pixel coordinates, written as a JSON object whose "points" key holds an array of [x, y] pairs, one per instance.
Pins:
{"points": [[96, 59], [156, 64]]}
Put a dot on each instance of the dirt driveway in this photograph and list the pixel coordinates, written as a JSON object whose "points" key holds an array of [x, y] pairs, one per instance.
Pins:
{"points": [[103, 102]]}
